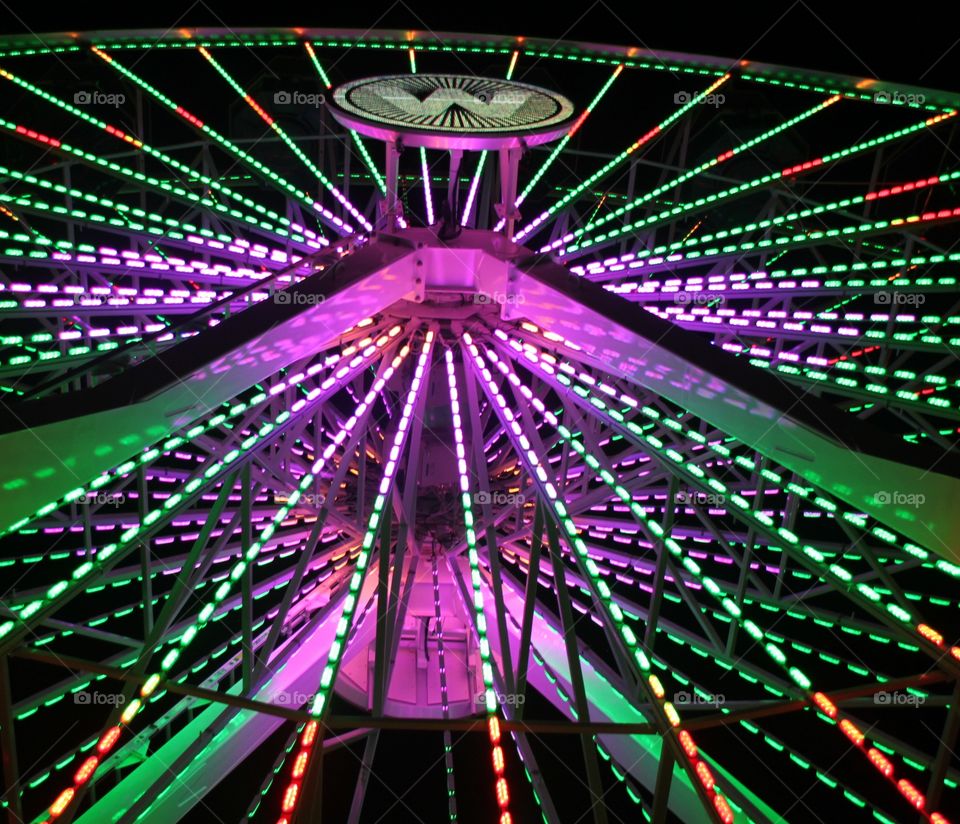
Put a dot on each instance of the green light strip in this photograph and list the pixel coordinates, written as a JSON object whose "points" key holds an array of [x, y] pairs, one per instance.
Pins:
{"points": [[271, 176], [747, 145], [755, 183], [148, 149]]}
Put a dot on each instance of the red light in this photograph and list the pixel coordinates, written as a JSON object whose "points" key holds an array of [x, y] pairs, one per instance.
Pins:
{"points": [[108, 739], [290, 797], [87, 769], [723, 809], [42, 138], [62, 802], [300, 764], [939, 118], [825, 704], [506, 818], [309, 733], [880, 761], [936, 818], [648, 136], [493, 724], [196, 121], [705, 776], [930, 634], [801, 167], [911, 793], [503, 794], [498, 760], [850, 730], [689, 747]]}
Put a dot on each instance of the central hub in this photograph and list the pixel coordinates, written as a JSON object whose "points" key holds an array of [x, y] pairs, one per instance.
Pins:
{"points": [[451, 111]]}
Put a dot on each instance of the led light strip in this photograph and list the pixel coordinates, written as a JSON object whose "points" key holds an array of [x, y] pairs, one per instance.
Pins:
{"points": [[145, 148], [82, 575], [444, 696], [424, 169], [810, 556], [501, 788], [822, 500], [641, 141], [474, 184], [710, 200], [756, 632], [279, 131], [561, 145], [292, 793], [226, 143], [381, 185], [310, 238], [111, 736], [801, 214], [195, 431], [667, 716], [697, 170], [663, 258]]}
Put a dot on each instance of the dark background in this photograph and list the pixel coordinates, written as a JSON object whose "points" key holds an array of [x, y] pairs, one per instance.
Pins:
{"points": [[897, 42]]}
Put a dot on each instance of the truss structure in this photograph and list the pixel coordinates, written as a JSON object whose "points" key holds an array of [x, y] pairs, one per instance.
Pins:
{"points": [[641, 439]]}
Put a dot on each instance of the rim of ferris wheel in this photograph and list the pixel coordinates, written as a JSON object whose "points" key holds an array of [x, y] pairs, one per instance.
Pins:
{"points": [[452, 111]]}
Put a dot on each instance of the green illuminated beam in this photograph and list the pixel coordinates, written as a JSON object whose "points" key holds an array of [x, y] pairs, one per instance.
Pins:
{"points": [[755, 183], [245, 157]]}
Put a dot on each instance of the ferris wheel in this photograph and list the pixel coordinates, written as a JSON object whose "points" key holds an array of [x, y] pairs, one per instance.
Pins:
{"points": [[574, 419]]}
